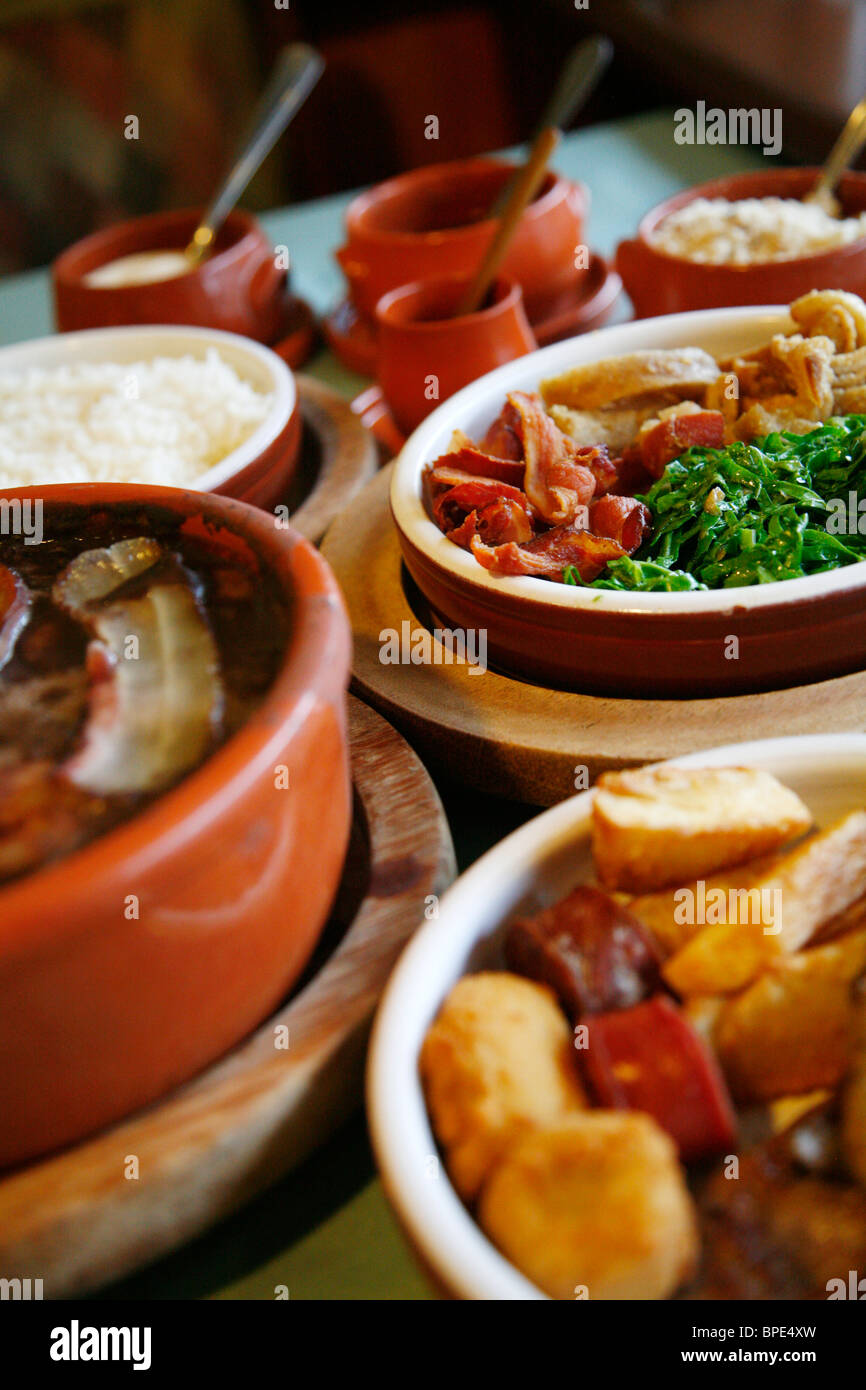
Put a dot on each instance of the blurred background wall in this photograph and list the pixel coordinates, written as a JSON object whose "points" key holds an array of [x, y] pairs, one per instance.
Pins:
{"points": [[73, 71]]}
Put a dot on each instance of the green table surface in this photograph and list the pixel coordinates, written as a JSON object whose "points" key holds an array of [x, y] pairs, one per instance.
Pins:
{"points": [[325, 1231]]}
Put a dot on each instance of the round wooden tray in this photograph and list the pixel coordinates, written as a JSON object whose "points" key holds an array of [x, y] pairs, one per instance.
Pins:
{"points": [[338, 457], [76, 1221], [523, 741]]}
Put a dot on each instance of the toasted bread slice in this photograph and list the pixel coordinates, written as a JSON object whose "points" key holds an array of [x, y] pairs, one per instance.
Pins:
{"points": [[615, 380], [658, 826]]}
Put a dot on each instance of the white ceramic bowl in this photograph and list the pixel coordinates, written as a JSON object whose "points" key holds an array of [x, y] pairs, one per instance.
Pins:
{"points": [[272, 445], [591, 639], [533, 868]]}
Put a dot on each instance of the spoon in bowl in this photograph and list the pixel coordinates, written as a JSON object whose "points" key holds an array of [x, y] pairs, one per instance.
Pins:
{"points": [[843, 153], [583, 69], [522, 190], [295, 74]]}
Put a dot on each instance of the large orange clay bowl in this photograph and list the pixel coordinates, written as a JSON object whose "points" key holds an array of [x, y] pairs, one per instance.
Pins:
{"points": [[658, 283], [624, 643], [102, 1012]]}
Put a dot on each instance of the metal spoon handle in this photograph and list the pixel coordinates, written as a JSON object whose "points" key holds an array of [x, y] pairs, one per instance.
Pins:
{"points": [[843, 153], [295, 74], [584, 67]]}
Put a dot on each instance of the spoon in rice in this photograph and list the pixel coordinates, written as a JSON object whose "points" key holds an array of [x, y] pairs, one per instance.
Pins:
{"points": [[843, 153], [295, 74]]}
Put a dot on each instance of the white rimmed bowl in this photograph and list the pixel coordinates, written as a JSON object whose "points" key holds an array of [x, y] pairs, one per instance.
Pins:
{"points": [[260, 470], [532, 868], [789, 633]]}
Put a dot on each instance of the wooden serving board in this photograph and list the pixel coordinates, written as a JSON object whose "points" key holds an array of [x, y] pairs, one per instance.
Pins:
{"points": [[76, 1221], [513, 739], [338, 457]]}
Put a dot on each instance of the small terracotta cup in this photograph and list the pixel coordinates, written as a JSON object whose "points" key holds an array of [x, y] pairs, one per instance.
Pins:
{"points": [[434, 221], [661, 284], [239, 288], [426, 354]]}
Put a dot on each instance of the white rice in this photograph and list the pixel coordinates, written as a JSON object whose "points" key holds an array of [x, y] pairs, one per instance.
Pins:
{"points": [[719, 232], [166, 420]]}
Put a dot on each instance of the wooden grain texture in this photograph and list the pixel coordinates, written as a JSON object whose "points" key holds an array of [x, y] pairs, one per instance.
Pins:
{"points": [[76, 1222], [338, 457], [514, 739]]}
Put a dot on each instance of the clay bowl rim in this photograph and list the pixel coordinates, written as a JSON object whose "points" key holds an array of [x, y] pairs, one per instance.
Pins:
{"points": [[716, 188], [695, 328], [359, 210], [65, 273], [57, 349], [315, 660], [481, 901], [507, 295]]}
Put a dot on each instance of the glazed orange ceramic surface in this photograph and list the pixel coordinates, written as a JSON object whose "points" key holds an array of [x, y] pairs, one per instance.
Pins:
{"points": [[129, 965], [659, 283], [425, 355], [435, 221], [240, 288]]}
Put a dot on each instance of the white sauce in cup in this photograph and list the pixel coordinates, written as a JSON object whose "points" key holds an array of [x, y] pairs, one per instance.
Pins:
{"points": [[141, 268]]}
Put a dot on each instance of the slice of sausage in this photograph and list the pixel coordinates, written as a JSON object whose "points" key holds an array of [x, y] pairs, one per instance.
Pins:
{"points": [[592, 952], [650, 1058]]}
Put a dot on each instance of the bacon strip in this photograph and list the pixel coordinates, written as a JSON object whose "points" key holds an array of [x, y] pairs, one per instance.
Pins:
{"points": [[596, 458], [670, 438], [501, 521], [449, 508], [555, 483], [475, 463], [503, 438], [622, 519], [549, 554], [504, 520], [462, 534]]}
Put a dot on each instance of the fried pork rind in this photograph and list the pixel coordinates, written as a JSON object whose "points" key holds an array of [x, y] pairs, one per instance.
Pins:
{"points": [[834, 313], [807, 364], [812, 884], [613, 428], [800, 379], [660, 911], [796, 381], [788, 384], [497, 1063], [656, 826], [597, 1203], [618, 381], [776, 414], [793, 1029], [724, 395]]}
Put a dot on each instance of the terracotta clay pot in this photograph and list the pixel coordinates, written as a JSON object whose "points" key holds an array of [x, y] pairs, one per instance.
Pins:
{"points": [[239, 288], [433, 222], [426, 354], [661, 284], [233, 875]]}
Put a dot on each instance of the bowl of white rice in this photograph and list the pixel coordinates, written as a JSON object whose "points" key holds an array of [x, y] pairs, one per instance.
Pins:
{"points": [[747, 239], [173, 406]]}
